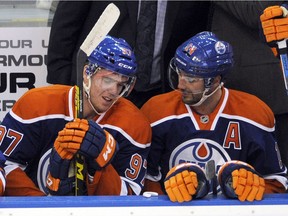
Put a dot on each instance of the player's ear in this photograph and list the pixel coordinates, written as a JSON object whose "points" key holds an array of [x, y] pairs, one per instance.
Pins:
{"points": [[218, 79]]}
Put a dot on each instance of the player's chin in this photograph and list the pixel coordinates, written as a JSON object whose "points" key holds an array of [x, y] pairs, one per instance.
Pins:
{"points": [[189, 100], [105, 106]]}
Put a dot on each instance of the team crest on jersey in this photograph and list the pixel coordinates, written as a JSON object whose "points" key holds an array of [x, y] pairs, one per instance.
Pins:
{"points": [[199, 151]]}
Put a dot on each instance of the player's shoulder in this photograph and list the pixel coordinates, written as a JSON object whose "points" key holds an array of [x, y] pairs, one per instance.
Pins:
{"points": [[251, 107], [164, 105], [125, 116], [43, 93], [42, 100], [124, 108]]}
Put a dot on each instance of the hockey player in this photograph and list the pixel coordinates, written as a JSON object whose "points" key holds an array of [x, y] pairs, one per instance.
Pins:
{"points": [[202, 120], [2, 174], [42, 135]]}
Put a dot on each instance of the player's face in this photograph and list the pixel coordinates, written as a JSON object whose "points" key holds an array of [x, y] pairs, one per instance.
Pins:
{"points": [[106, 88], [191, 87]]}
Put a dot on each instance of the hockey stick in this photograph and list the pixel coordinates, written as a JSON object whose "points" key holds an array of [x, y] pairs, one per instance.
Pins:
{"points": [[211, 176], [282, 49], [102, 27]]}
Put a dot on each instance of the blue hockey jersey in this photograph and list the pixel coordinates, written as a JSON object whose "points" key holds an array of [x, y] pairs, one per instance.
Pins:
{"points": [[240, 128]]}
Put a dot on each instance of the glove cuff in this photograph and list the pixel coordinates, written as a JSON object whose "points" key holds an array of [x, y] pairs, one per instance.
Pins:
{"points": [[60, 187], [225, 176], [284, 8], [58, 167], [203, 184]]}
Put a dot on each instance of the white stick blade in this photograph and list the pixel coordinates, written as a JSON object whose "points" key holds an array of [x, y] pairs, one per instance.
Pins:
{"points": [[102, 27]]}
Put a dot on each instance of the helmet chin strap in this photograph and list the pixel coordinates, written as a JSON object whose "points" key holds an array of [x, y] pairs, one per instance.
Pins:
{"points": [[204, 97], [87, 93]]}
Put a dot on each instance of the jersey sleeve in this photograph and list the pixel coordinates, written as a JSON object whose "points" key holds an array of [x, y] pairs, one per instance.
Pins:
{"points": [[153, 159], [105, 182], [20, 140], [274, 186], [264, 156], [19, 184], [2, 181], [131, 129], [131, 165], [2, 174], [155, 111], [153, 186]]}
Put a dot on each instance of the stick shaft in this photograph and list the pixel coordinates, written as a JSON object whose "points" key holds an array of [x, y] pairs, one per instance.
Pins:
{"points": [[282, 47], [102, 27]]}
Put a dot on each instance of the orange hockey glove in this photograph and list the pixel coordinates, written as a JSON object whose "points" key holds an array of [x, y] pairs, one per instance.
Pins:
{"points": [[71, 137], [240, 180], [274, 22], [185, 181], [85, 137], [2, 174], [90, 140]]}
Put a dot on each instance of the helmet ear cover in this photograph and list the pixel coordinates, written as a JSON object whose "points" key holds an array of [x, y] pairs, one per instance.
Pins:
{"points": [[91, 68]]}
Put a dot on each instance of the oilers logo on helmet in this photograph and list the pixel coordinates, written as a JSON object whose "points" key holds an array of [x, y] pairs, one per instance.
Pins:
{"points": [[220, 47], [126, 51]]}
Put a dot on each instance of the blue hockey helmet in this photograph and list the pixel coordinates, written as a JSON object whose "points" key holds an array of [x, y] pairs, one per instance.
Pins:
{"points": [[204, 56], [113, 54], [116, 55]]}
